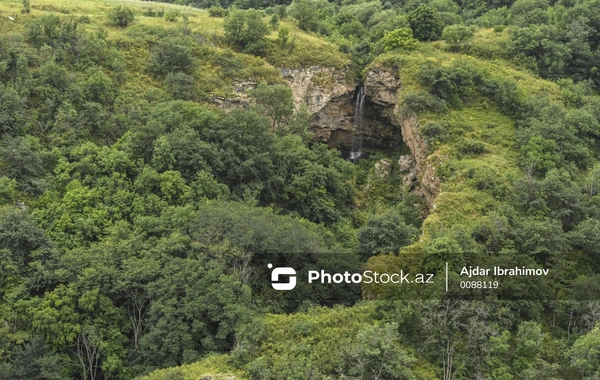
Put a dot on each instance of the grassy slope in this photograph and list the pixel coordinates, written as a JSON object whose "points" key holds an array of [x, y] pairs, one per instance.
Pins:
{"points": [[308, 50], [460, 200]]}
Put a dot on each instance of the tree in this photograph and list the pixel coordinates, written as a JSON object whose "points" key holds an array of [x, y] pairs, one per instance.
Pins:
{"points": [[172, 55], [121, 16], [246, 30], [376, 354], [458, 36], [276, 101], [384, 234], [585, 354], [18, 160], [426, 23], [181, 85], [308, 13], [399, 39]]}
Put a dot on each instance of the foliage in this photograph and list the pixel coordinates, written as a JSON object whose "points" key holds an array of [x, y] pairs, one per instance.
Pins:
{"points": [[247, 31], [172, 55], [458, 36], [425, 23], [399, 39], [385, 234], [121, 16]]}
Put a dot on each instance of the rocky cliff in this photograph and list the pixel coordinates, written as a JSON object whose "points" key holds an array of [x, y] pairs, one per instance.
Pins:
{"points": [[330, 97], [329, 94]]}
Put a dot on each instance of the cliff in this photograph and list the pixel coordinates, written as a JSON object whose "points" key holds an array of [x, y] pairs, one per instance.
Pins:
{"points": [[330, 97]]}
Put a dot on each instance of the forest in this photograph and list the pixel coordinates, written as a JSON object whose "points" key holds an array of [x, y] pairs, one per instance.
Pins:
{"points": [[155, 158]]}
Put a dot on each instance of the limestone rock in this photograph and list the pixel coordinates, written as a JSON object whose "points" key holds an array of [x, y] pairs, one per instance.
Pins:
{"points": [[382, 86], [406, 162], [383, 168]]}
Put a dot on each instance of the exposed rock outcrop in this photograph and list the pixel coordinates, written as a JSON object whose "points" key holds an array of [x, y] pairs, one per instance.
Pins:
{"points": [[422, 176], [330, 97], [329, 94]]}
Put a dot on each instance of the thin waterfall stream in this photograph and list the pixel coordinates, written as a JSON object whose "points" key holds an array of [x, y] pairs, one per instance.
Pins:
{"points": [[356, 150]]}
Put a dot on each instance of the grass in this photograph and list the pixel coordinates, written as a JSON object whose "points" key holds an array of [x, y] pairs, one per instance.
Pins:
{"points": [[215, 367], [472, 184]]}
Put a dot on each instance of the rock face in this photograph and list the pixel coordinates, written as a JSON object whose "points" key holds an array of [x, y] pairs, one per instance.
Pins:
{"points": [[327, 94], [330, 97]]}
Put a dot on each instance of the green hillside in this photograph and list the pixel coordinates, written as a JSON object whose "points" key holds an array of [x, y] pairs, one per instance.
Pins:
{"points": [[154, 162]]}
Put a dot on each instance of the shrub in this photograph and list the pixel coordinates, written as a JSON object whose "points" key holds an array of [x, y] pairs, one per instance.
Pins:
{"points": [[26, 7], [120, 16], [423, 101], [426, 23], [172, 55], [283, 36], [470, 147], [171, 16], [386, 233], [458, 36], [309, 13], [399, 39], [435, 132], [181, 85], [217, 11], [246, 30]]}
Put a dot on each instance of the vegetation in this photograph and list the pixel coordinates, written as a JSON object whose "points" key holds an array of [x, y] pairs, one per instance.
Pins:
{"points": [[140, 209]]}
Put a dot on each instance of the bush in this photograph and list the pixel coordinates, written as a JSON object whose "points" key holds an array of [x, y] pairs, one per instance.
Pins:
{"points": [[423, 101], [458, 36], [172, 55], [399, 39], [217, 11], [246, 30], [426, 23], [274, 21], [151, 12], [171, 16], [26, 6], [385, 234], [120, 16], [181, 85], [435, 132], [470, 147], [309, 13]]}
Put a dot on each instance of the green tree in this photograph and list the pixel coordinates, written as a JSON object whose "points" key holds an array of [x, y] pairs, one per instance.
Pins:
{"points": [[399, 39], [276, 101], [585, 354], [246, 30], [458, 36], [172, 55], [426, 23], [120, 16], [376, 354], [309, 13], [385, 234]]}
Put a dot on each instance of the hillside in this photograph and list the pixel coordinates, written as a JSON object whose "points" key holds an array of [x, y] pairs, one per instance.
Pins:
{"points": [[157, 160]]}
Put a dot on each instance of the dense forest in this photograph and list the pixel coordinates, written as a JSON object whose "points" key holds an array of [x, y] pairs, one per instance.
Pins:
{"points": [[140, 206]]}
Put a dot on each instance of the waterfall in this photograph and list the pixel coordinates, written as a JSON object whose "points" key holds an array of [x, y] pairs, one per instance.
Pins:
{"points": [[356, 150]]}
